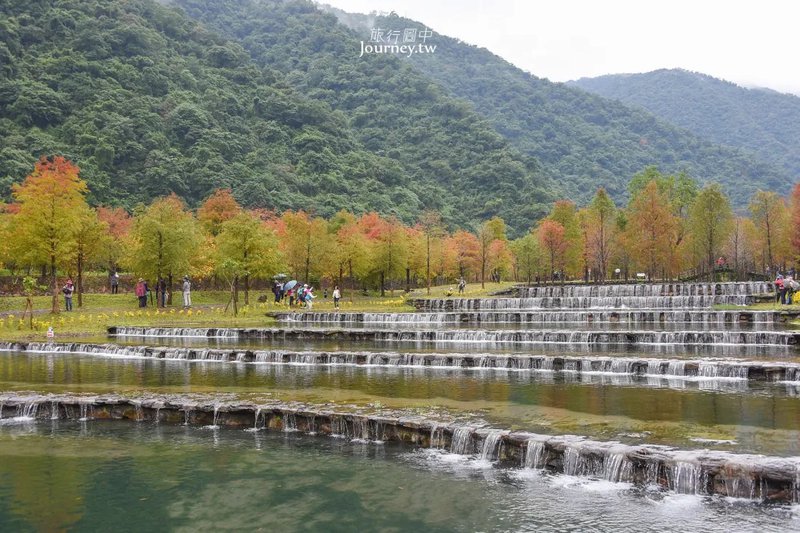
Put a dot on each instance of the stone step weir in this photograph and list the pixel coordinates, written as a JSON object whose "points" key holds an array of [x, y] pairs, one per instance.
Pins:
{"points": [[623, 316], [769, 479], [749, 288], [566, 337], [634, 366], [579, 302]]}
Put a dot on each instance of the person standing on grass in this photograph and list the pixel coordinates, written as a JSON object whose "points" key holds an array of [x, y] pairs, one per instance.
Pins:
{"points": [[141, 292], [114, 282], [187, 293], [161, 292], [336, 297], [68, 290], [309, 298]]}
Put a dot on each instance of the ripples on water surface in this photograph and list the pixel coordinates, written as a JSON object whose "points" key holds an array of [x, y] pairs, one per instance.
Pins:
{"points": [[108, 476]]}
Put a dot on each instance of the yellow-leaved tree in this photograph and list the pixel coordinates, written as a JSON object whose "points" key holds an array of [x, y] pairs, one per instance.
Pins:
{"points": [[51, 203], [164, 241], [245, 247]]}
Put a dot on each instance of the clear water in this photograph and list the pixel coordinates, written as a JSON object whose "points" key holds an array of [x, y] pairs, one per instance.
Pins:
{"points": [[749, 416], [117, 476]]}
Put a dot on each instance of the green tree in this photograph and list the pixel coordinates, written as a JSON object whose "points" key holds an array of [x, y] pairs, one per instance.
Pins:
{"points": [[164, 240], [710, 224], [246, 248]]}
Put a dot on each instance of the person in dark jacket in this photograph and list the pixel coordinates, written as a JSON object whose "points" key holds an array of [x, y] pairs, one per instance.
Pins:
{"points": [[68, 290]]}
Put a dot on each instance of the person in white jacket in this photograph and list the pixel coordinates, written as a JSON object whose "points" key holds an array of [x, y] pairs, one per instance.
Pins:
{"points": [[187, 293]]}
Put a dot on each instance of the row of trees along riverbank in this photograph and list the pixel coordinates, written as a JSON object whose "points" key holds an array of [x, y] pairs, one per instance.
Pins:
{"points": [[670, 225]]}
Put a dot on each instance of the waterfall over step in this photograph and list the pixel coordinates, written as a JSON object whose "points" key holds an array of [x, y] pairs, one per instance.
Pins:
{"points": [[709, 318], [775, 479], [567, 337], [749, 288], [580, 302], [621, 296], [633, 366]]}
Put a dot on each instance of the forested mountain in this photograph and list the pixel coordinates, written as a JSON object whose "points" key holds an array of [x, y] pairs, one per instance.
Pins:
{"points": [[583, 140], [148, 101], [445, 147], [761, 120]]}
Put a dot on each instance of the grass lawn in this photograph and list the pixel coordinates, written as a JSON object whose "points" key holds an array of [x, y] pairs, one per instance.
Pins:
{"points": [[100, 311]]}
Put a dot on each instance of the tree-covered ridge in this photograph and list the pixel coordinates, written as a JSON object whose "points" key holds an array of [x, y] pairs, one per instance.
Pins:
{"points": [[453, 160], [147, 102], [764, 121], [583, 140]]}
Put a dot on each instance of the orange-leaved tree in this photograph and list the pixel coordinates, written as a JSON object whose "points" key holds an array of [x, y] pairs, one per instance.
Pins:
{"points": [[795, 222], [651, 226], [45, 227], [217, 209], [552, 240]]}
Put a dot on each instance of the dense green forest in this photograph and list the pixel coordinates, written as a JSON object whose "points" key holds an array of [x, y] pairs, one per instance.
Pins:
{"points": [[445, 147], [761, 120], [148, 101], [583, 140]]}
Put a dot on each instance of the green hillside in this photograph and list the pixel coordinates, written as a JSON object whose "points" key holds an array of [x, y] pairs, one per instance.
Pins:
{"points": [[444, 146], [147, 102], [764, 121], [582, 139]]}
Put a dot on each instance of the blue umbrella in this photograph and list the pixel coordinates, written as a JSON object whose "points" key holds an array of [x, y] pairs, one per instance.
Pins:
{"points": [[289, 284]]}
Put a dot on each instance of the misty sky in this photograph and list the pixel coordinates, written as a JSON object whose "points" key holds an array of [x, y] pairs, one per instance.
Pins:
{"points": [[749, 43]]}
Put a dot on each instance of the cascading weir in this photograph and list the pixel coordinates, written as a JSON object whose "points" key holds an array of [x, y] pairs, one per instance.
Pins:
{"points": [[627, 296], [773, 479], [530, 336], [703, 317], [771, 371]]}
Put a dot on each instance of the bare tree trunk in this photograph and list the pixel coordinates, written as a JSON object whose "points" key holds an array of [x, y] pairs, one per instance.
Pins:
{"points": [[80, 278], [53, 282]]}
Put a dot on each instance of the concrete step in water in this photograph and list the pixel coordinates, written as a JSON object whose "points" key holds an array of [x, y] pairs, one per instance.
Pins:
{"points": [[695, 318], [747, 288], [757, 477], [567, 337], [580, 302], [634, 366]]}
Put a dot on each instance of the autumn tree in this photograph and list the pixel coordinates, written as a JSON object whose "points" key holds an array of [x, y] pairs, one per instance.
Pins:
{"points": [[353, 250], [769, 214], [551, 238], [164, 240], [600, 224], [710, 224], [740, 246], [91, 239], [795, 223], [390, 250], [45, 226], [490, 231], [466, 248], [118, 224], [565, 213], [650, 227], [245, 247], [305, 243], [430, 223], [217, 209]]}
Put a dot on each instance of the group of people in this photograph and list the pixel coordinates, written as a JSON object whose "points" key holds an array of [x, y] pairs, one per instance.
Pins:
{"points": [[142, 291], [302, 296], [785, 288]]}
